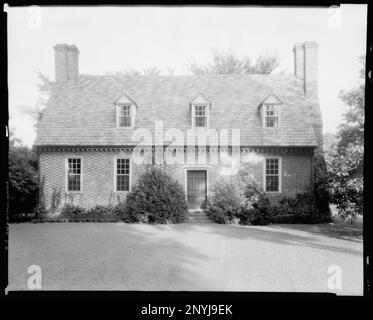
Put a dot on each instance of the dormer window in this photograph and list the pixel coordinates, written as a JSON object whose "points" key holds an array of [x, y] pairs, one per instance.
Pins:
{"points": [[125, 112], [200, 109], [270, 111], [271, 116], [124, 116], [200, 116]]}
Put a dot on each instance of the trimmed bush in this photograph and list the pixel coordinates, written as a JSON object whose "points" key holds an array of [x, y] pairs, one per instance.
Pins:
{"points": [[156, 198], [104, 213], [258, 207], [72, 213], [299, 209], [225, 203], [244, 202]]}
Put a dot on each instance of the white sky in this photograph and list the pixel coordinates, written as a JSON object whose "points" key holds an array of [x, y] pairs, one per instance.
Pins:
{"points": [[116, 38]]}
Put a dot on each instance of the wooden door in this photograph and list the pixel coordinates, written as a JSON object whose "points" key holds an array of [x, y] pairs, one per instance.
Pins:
{"points": [[196, 188]]}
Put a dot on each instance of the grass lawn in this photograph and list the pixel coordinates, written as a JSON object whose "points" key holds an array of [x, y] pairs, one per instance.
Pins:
{"points": [[118, 256]]}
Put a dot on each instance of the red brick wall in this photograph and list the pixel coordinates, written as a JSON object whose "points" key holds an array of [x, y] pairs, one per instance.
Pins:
{"points": [[98, 175]]}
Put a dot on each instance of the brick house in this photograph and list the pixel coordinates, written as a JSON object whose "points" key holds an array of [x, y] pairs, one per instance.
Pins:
{"points": [[98, 133]]}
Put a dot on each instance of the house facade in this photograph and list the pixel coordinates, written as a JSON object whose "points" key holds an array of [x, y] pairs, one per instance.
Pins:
{"points": [[98, 133]]}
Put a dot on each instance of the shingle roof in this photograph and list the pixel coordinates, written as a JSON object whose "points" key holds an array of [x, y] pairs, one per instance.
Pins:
{"points": [[81, 112]]}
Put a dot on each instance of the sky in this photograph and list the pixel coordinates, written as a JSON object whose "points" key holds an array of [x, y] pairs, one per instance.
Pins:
{"points": [[117, 38]]}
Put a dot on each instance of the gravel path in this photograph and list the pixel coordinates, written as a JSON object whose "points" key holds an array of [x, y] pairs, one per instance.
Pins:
{"points": [[118, 256]]}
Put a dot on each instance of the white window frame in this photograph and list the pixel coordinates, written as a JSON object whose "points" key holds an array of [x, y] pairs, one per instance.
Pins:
{"points": [[279, 175], [278, 109], [67, 174], [207, 111], [132, 114], [115, 174]]}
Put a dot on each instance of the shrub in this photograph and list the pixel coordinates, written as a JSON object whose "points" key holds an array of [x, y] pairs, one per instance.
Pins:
{"points": [[225, 202], [321, 186], [230, 201], [258, 207], [40, 212], [73, 213], [23, 217], [104, 214], [285, 218], [156, 198], [98, 213], [23, 180], [301, 208]]}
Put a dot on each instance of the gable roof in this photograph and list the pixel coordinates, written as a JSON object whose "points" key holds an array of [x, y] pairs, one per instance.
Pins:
{"points": [[200, 99], [124, 99], [82, 112], [271, 99]]}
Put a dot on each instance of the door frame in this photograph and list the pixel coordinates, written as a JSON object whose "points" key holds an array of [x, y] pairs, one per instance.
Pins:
{"points": [[196, 168]]}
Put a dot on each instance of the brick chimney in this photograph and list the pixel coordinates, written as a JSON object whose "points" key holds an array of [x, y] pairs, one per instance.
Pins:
{"points": [[66, 62], [306, 69], [306, 66]]}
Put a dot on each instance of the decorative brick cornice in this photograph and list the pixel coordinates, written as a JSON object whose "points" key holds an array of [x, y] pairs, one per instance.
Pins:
{"points": [[243, 149]]}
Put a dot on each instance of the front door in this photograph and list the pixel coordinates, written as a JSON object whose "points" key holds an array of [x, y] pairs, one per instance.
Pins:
{"points": [[196, 188]]}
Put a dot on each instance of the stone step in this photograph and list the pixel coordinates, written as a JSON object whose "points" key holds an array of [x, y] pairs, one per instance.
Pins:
{"points": [[197, 217], [201, 219]]}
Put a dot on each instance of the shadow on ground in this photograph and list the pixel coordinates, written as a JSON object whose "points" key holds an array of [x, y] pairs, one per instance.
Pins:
{"points": [[100, 256], [301, 235]]}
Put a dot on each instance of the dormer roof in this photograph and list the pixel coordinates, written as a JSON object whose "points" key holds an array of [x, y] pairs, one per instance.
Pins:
{"points": [[272, 99], [200, 99], [124, 99]]}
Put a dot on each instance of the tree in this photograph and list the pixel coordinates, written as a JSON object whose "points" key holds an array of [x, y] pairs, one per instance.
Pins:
{"points": [[130, 72], [346, 156], [23, 179], [36, 112], [351, 130], [227, 62]]}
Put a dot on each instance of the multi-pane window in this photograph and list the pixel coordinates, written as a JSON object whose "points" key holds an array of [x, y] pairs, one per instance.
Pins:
{"points": [[123, 174], [272, 175], [74, 172], [200, 116], [271, 116], [124, 116]]}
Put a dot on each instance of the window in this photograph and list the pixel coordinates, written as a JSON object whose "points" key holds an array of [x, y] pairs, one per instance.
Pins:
{"points": [[124, 116], [271, 116], [272, 175], [122, 174], [200, 116], [74, 173]]}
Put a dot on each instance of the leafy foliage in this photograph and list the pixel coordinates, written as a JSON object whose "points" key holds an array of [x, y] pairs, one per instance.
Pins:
{"points": [[345, 158], [36, 112], [156, 198], [243, 201], [227, 62], [130, 72], [23, 179], [74, 213], [257, 210], [225, 203], [302, 208], [320, 192], [346, 181]]}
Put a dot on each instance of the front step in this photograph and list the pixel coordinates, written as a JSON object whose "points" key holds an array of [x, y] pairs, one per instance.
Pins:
{"points": [[197, 217]]}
